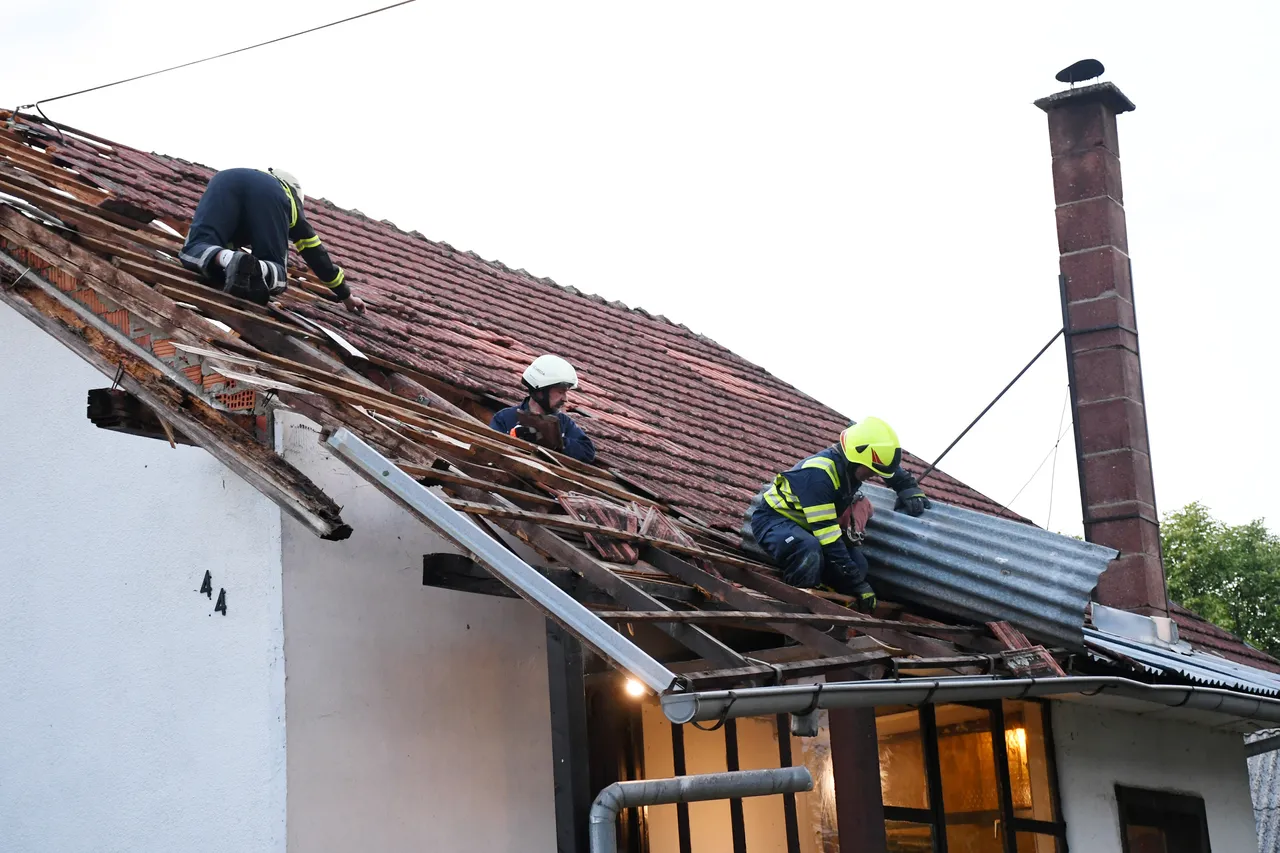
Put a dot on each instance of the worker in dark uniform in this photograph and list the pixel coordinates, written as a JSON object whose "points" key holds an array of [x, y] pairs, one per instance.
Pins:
{"points": [[538, 419], [803, 518], [262, 210]]}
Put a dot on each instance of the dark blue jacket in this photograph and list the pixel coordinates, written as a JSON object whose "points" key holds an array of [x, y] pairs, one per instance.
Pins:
{"points": [[576, 442], [814, 493]]}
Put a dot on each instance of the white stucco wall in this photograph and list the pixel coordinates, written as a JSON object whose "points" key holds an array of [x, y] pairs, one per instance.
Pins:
{"points": [[418, 717], [1099, 748], [132, 717]]}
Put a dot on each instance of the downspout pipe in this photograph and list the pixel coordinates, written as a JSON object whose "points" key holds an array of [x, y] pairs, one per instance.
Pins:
{"points": [[686, 789]]}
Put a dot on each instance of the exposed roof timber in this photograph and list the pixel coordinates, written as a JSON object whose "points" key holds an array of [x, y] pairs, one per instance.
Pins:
{"points": [[551, 546], [523, 578], [731, 595], [386, 407], [783, 591], [465, 575], [711, 617], [172, 399]]}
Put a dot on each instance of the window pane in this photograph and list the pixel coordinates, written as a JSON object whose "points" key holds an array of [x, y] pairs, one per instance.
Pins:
{"points": [[907, 837], [902, 779], [970, 795], [1031, 842], [1029, 781]]}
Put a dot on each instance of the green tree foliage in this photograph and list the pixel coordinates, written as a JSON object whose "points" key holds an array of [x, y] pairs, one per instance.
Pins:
{"points": [[1230, 575]]}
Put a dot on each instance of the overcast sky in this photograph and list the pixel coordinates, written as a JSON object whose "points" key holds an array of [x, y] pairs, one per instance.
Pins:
{"points": [[856, 197]]}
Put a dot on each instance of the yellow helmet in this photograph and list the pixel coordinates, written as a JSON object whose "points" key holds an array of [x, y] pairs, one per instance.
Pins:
{"points": [[872, 443]]}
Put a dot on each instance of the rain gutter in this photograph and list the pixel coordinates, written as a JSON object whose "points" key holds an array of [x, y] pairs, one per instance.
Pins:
{"points": [[800, 699]]}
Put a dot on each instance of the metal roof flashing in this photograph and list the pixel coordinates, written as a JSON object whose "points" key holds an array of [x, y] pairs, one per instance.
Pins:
{"points": [[1160, 631]]}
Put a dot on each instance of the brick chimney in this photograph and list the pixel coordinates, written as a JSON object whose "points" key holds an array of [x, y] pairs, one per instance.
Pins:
{"points": [[1103, 365]]}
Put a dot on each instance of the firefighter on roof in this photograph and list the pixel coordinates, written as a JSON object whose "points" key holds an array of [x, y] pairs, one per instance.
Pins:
{"points": [[810, 518], [262, 210], [539, 417]]}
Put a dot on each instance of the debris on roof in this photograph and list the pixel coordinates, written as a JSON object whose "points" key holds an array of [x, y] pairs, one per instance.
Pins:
{"points": [[84, 256]]}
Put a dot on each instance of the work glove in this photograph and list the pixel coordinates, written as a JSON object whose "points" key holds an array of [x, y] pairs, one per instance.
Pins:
{"points": [[912, 501], [526, 432], [864, 598], [853, 521]]}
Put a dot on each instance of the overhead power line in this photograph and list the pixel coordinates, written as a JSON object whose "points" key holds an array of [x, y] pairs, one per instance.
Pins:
{"points": [[37, 104]]}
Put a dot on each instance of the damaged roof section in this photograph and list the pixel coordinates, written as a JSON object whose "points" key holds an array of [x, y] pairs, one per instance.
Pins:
{"points": [[655, 399], [416, 379]]}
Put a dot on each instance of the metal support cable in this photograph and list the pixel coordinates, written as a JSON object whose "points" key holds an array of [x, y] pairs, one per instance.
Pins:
{"points": [[933, 465]]}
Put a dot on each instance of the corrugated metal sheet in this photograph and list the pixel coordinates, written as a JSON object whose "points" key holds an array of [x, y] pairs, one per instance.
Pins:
{"points": [[982, 568], [1264, 781], [1196, 666]]}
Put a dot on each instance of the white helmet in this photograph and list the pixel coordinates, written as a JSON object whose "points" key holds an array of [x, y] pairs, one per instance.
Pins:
{"points": [[289, 179], [548, 371]]}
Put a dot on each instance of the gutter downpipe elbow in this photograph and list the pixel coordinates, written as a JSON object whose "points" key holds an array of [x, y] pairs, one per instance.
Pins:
{"points": [[686, 789]]}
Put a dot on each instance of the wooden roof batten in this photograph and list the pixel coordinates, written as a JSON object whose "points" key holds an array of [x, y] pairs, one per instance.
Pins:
{"points": [[108, 287]]}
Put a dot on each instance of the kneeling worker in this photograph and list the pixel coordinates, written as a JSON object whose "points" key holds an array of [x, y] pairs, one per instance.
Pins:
{"points": [[539, 417], [804, 519], [263, 210]]}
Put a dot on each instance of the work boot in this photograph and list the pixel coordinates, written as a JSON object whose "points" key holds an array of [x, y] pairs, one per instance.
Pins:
{"points": [[259, 286], [275, 284], [239, 273]]}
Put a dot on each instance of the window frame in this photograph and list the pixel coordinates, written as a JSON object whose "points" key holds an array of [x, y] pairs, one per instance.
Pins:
{"points": [[1187, 805], [935, 815]]}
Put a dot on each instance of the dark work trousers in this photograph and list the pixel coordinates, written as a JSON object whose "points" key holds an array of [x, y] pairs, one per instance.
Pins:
{"points": [[796, 551], [240, 208]]}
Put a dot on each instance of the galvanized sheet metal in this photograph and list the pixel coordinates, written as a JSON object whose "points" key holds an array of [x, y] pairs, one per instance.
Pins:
{"points": [[1264, 782], [983, 568], [1188, 663]]}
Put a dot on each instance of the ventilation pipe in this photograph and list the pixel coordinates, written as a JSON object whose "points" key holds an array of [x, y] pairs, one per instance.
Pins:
{"points": [[687, 789]]}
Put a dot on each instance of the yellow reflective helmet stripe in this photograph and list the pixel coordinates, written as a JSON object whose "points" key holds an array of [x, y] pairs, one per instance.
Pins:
{"points": [[825, 464], [337, 279], [307, 243]]}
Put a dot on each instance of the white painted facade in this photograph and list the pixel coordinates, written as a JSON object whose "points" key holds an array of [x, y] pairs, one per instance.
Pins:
{"points": [[1098, 748], [418, 717], [132, 717]]}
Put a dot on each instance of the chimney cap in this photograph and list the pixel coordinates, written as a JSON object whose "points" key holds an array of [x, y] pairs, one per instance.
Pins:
{"points": [[1104, 93], [1078, 72]]}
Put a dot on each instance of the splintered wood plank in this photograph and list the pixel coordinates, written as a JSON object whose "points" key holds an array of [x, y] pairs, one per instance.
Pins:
{"points": [[721, 678], [721, 590], [714, 616], [786, 592], [99, 275], [446, 478], [620, 589], [220, 310]]}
